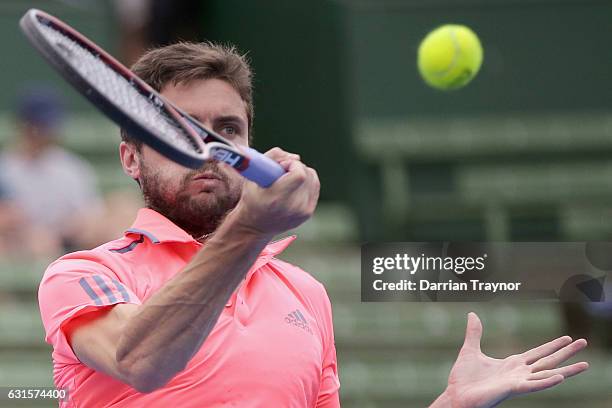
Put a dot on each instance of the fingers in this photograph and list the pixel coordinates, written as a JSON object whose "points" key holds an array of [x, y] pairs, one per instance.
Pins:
{"points": [[287, 203], [297, 174], [566, 372], [314, 198], [291, 163], [539, 385], [473, 332], [278, 154], [544, 372], [553, 360], [546, 349]]}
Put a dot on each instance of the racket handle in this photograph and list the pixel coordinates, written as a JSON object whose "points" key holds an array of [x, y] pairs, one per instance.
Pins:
{"points": [[262, 169]]}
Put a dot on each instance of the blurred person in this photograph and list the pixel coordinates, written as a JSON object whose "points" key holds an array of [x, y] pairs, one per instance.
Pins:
{"points": [[18, 238], [7, 220], [192, 307], [119, 208], [49, 185]]}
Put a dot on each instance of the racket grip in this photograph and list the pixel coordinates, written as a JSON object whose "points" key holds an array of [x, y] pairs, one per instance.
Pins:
{"points": [[262, 169]]}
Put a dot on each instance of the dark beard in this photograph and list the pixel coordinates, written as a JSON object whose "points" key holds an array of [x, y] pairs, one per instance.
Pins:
{"points": [[198, 216]]}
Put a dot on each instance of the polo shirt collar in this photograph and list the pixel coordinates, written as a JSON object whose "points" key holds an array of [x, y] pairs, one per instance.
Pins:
{"points": [[159, 229], [270, 251]]}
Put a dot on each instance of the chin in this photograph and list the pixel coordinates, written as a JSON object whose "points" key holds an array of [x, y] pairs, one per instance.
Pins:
{"points": [[205, 201]]}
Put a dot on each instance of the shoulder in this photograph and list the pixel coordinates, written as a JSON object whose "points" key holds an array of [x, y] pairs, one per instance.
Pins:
{"points": [[79, 283], [80, 279], [311, 292], [68, 160], [9, 160], [300, 278], [59, 153], [100, 260]]}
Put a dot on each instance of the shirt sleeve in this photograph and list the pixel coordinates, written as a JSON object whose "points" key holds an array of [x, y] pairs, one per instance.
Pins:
{"points": [[330, 383], [71, 288]]}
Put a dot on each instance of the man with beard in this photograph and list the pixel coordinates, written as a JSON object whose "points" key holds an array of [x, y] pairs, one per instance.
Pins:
{"points": [[190, 308]]}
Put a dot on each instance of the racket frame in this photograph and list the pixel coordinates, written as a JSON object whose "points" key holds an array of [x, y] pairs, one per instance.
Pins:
{"points": [[220, 149]]}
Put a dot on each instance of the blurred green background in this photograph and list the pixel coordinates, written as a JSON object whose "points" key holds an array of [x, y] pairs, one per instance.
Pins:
{"points": [[522, 153]]}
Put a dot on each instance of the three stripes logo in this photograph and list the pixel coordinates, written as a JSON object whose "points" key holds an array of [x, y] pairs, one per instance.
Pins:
{"points": [[297, 319], [104, 290]]}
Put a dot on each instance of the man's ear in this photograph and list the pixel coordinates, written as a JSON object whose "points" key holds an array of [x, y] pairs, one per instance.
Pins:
{"points": [[130, 160]]}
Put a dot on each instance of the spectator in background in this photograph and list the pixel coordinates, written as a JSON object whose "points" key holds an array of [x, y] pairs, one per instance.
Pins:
{"points": [[51, 187], [17, 237], [8, 218]]}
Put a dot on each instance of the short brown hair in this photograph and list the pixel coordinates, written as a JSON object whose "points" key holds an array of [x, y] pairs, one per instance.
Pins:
{"points": [[186, 61]]}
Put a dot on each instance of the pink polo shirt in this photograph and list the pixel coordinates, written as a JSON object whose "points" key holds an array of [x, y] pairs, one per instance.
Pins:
{"points": [[273, 345]]}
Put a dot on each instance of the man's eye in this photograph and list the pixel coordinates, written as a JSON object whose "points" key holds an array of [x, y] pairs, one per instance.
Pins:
{"points": [[229, 130]]}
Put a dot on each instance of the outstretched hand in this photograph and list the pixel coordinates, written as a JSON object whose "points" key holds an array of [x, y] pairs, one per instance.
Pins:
{"points": [[479, 381]]}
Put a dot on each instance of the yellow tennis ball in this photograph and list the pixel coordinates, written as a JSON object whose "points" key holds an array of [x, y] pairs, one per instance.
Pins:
{"points": [[449, 57]]}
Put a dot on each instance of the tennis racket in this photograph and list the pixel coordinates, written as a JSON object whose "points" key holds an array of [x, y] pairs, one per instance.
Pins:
{"points": [[134, 105]]}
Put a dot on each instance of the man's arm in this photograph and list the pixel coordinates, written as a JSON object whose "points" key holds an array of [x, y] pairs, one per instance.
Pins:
{"points": [[151, 343], [147, 345], [479, 381]]}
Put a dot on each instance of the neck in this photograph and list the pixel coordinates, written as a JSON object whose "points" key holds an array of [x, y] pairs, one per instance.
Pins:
{"points": [[200, 232]]}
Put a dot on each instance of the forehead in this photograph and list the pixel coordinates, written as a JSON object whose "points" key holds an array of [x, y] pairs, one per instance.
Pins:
{"points": [[206, 98]]}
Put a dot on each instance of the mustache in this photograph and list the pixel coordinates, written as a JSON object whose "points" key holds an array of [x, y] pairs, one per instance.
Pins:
{"points": [[209, 167]]}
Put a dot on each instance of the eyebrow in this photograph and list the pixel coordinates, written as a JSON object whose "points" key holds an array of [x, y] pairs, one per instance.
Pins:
{"points": [[224, 118]]}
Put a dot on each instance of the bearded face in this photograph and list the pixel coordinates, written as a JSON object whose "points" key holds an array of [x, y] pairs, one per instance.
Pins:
{"points": [[195, 200], [198, 201]]}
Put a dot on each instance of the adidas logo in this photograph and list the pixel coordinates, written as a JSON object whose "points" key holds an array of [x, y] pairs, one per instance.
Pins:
{"points": [[297, 319]]}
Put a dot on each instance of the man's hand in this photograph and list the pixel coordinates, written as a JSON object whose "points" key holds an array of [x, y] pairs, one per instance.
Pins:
{"points": [[479, 381], [284, 205]]}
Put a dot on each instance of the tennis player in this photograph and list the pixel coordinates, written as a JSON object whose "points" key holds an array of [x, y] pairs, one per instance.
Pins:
{"points": [[192, 308]]}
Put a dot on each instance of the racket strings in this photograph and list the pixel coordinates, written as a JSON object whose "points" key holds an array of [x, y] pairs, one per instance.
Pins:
{"points": [[119, 90]]}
